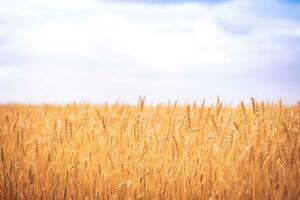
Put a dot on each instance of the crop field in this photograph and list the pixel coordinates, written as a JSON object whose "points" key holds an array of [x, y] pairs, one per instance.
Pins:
{"points": [[143, 151]]}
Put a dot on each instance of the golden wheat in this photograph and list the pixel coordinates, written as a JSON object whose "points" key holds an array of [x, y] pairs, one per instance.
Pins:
{"points": [[119, 151]]}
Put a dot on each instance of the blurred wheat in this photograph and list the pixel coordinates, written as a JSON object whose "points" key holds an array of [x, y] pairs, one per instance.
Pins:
{"points": [[171, 151]]}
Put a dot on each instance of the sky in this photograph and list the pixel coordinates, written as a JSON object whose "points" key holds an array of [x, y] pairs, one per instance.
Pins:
{"points": [[96, 51]]}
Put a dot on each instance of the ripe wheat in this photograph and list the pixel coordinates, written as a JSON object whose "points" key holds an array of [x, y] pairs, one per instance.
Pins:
{"points": [[159, 151]]}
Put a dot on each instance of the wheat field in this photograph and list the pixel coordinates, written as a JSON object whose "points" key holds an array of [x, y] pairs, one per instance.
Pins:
{"points": [[162, 151]]}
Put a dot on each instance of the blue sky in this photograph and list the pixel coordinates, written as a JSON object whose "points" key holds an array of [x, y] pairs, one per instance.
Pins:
{"points": [[170, 1], [91, 50]]}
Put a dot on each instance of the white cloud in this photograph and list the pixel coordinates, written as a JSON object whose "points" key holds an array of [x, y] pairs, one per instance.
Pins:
{"points": [[86, 46]]}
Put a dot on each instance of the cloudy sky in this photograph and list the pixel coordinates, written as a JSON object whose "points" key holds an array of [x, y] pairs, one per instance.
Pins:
{"points": [[102, 50]]}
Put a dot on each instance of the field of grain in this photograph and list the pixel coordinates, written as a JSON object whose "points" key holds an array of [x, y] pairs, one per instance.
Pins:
{"points": [[163, 151]]}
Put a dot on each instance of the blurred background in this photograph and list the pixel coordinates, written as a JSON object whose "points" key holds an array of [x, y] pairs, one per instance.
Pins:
{"points": [[95, 51]]}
